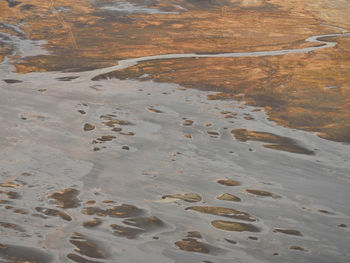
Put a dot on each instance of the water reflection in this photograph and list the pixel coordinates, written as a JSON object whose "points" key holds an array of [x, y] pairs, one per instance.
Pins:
{"points": [[204, 197], [119, 170]]}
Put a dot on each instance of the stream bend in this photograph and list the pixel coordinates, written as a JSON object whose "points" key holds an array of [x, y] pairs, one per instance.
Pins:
{"points": [[126, 63]]}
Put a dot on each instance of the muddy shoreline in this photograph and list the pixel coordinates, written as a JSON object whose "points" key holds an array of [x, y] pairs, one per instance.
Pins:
{"points": [[86, 35], [129, 184]]}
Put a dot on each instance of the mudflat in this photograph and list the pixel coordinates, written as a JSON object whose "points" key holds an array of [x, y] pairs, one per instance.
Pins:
{"points": [[174, 131]]}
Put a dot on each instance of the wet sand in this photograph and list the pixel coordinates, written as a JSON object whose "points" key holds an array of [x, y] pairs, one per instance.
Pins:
{"points": [[132, 169]]}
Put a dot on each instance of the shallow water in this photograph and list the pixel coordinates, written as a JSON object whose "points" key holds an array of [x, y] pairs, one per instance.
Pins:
{"points": [[127, 171], [123, 171]]}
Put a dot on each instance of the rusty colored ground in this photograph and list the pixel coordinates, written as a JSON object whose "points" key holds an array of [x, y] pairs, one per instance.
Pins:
{"points": [[292, 88], [304, 91], [82, 37]]}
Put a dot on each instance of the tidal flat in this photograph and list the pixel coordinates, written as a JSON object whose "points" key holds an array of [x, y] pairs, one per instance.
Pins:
{"points": [[174, 131]]}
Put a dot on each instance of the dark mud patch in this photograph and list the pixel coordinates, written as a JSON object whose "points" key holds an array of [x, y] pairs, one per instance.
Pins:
{"points": [[193, 245], [234, 226], [67, 198], [87, 247], [259, 192], [111, 121], [92, 223], [9, 185], [94, 211], [89, 127], [213, 134], [228, 197], [21, 211], [12, 81], [290, 148], [108, 202], [106, 138], [146, 223], [19, 254], [153, 109], [137, 226], [248, 117], [279, 143], [229, 116], [222, 211], [11, 194], [188, 197], [53, 212], [342, 225], [12, 226], [228, 182], [69, 78], [127, 133], [187, 123], [194, 234], [122, 211], [298, 248], [289, 232], [231, 241], [114, 74], [323, 211], [80, 259], [128, 232], [2, 202]]}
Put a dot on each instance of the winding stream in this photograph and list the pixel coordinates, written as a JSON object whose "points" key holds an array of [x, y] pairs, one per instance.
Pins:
{"points": [[126, 63]]}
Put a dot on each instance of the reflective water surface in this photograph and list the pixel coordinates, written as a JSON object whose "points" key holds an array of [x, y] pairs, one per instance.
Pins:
{"points": [[91, 174], [123, 163]]}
